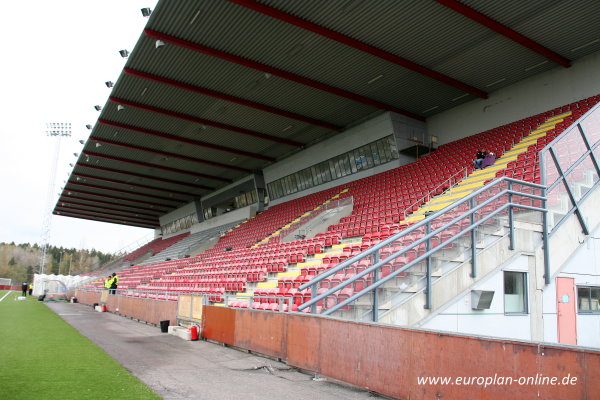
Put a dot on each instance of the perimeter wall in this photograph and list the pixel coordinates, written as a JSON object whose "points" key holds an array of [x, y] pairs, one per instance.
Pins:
{"points": [[391, 360], [147, 310]]}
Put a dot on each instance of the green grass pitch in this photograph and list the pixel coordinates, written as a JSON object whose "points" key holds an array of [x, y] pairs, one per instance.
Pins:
{"points": [[43, 357]]}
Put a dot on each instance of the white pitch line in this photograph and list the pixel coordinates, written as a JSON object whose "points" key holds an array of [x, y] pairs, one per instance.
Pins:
{"points": [[5, 295]]}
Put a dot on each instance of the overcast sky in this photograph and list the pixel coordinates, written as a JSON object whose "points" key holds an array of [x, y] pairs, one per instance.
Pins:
{"points": [[56, 56]]}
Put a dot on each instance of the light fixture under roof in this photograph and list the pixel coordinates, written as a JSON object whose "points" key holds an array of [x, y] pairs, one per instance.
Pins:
{"points": [[98, 144], [146, 11], [585, 45], [495, 82], [378, 77], [430, 109], [536, 65], [120, 107], [287, 128], [195, 17], [159, 43], [109, 84], [98, 108], [462, 96], [124, 53]]}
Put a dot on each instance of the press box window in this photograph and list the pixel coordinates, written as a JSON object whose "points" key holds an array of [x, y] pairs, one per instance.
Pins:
{"points": [[515, 292], [588, 299]]}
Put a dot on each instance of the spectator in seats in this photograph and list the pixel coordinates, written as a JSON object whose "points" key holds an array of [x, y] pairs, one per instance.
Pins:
{"points": [[24, 289], [113, 284], [479, 158], [488, 160]]}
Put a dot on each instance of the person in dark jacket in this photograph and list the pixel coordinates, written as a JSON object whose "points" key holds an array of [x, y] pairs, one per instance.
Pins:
{"points": [[479, 158]]}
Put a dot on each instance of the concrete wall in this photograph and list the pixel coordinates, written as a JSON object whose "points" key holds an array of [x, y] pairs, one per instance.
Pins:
{"points": [[227, 218], [390, 360], [181, 212], [532, 96], [459, 317], [147, 310], [584, 267]]}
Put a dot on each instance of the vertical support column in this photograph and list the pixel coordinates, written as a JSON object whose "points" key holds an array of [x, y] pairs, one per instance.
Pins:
{"points": [[260, 187], [376, 290], [473, 240], [428, 267], [313, 294], [199, 210], [511, 225], [545, 222]]}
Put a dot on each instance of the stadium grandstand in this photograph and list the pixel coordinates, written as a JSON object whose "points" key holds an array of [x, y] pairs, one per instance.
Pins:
{"points": [[307, 168]]}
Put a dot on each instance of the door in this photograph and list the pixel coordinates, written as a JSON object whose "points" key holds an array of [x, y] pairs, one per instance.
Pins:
{"points": [[566, 312]]}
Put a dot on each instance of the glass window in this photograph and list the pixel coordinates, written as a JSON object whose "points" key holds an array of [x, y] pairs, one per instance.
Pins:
{"points": [[381, 150], [315, 175], [515, 292], [588, 299], [375, 154], [367, 156], [345, 164], [393, 149], [352, 162], [325, 171]]}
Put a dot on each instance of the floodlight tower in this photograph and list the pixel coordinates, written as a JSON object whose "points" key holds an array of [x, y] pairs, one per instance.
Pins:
{"points": [[56, 130]]}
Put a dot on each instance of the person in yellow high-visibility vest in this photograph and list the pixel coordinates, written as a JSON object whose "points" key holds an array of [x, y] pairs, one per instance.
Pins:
{"points": [[108, 282], [113, 284]]}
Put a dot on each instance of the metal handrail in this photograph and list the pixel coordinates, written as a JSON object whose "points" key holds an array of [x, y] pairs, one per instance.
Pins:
{"points": [[425, 239], [422, 257], [428, 196], [339, 202], [410, 229]]}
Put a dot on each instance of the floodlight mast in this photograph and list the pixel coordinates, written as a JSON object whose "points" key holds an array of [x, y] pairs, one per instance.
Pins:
{"points": [[56, 130]]}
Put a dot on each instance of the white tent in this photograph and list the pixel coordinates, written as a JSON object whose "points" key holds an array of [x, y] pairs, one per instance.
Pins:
{"points": [[55, 284]]}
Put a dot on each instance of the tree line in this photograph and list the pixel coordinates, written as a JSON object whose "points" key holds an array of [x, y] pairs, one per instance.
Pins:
{"points": [[20, 261]]}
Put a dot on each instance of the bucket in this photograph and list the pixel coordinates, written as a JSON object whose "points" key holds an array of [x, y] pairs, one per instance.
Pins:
{"points": [[94, 305], [103, 307], [194, 330], [164, 326]]}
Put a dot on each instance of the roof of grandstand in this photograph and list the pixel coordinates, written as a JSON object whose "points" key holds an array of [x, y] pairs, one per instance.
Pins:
{"points": [[216, 90]]}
